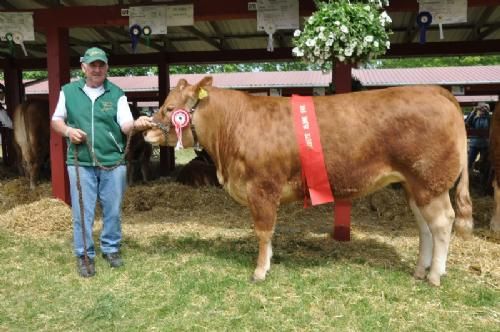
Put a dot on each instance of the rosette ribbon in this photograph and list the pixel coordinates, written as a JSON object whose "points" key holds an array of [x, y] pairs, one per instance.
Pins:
{"points": [[135, 32], [146, 31], [18, 39], [270, 29], [424, 20], [10, 39], [180, 119]]}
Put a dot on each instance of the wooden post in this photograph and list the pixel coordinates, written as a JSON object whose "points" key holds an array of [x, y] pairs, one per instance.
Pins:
{"points": [[167, 154], [342, 209], [58, 70]]}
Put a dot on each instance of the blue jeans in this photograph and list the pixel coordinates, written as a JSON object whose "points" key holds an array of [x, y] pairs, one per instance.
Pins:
{"points": [[107, 186]]}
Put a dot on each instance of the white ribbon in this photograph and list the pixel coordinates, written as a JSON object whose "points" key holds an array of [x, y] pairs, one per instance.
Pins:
{"points": [[270, 29], [180, 118], [18, 39]]}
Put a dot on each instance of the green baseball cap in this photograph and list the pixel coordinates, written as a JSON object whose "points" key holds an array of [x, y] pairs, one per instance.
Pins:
{"points": [[94, 54]]}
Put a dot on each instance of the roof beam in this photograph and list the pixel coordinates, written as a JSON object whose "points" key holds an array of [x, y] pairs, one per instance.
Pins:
{"points": [[6, 5], [485, 15], [279, 54], [202, 36], [92, 16], [488, 31], [220, 35]]}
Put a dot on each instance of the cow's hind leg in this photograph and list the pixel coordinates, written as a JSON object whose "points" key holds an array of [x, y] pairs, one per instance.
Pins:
{"points": [[263, 199], [439, 216], [495, 219]]}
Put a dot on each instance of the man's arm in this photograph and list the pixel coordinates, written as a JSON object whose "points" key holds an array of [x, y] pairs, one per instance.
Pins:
{"points": [[59, 125], [126, 121]]}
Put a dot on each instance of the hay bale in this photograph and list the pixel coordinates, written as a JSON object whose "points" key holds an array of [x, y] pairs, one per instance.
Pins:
{"points": [[45, 217]]}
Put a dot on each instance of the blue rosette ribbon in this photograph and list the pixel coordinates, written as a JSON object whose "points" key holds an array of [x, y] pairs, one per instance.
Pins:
{"points": [[424, 20], [135, 32]]}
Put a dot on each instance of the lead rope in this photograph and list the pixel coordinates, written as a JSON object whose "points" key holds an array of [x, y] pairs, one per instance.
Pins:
{"points": [[79, 186]]}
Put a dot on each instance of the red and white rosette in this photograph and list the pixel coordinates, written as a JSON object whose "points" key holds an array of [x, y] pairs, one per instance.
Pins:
{"points": [[180, 119]]}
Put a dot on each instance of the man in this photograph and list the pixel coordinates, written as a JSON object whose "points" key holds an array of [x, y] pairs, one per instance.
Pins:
{"points": [[5, 121], [94, 115], [479, 118]]}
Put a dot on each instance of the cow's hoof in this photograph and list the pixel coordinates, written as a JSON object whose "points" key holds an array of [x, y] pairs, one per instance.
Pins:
{"points": [[434, 280], [463, 228], [254, 279], [420, 273]]}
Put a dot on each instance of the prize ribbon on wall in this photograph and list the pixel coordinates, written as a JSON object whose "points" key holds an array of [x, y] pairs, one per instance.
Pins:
{"points": [[270, 29], [135, 33], [424, 20], [146, 31], [18, 39], [180, 118], [10, 40]]}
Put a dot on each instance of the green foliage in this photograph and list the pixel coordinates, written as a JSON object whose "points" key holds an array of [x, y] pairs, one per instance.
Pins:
{"points": [[344, 30]]}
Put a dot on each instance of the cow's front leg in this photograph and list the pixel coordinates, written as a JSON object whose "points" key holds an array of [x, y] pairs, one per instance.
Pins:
{"points": [[425, 243], [263, 199]]}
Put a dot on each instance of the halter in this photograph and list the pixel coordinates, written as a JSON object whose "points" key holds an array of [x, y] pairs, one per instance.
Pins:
{"points": [[166, 129]]}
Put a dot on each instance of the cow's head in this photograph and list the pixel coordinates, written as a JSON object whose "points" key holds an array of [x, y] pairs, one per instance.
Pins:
{"points": [[183, 97]]}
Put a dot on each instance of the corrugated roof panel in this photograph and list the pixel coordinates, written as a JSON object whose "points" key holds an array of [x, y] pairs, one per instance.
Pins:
{"points": [[442, 75]]}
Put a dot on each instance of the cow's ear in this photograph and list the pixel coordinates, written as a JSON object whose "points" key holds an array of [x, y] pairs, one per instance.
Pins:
{"points": [[181, 84], [206, 81]]}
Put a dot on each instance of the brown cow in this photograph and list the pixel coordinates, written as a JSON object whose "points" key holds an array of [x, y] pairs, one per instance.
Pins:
{"points": [[31, 137], [412, 135], [495, 160]]}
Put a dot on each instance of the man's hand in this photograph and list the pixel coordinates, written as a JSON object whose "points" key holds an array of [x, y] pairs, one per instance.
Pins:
{"points": [[143, 123], [76, 136]]}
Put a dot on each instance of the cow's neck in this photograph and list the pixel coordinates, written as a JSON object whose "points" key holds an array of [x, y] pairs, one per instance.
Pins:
{"points": [[214, 120]]}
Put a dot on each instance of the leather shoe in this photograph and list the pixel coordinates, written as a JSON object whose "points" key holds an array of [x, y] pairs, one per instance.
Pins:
{"points": [[85, 270], [113, 259]]}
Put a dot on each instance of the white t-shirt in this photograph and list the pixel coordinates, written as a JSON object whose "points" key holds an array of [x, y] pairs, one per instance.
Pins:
{"points": [[5, 121], [123, 114]]}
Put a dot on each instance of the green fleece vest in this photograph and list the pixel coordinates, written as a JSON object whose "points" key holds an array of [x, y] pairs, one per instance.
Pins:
{"points": [[98, 120]]}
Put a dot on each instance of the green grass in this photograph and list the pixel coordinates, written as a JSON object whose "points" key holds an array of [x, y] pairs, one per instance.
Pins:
{"points": [[189, 284], [188, 261]]}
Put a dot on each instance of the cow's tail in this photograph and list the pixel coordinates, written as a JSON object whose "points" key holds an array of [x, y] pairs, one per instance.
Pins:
{"points": [[463, 221]]}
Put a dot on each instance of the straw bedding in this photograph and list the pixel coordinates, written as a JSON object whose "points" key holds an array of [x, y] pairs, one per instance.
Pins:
{"points": [[383, 227]]}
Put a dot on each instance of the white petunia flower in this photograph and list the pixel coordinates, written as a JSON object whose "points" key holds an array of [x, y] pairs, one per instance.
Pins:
{"points": [[297, 33]]}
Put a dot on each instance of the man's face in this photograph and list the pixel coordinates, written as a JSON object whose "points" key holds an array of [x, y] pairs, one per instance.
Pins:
{"points": [[95, 73]]}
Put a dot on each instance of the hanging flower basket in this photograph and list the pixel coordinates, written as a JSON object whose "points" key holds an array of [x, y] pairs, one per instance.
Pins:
{"points": [[348, 31]]}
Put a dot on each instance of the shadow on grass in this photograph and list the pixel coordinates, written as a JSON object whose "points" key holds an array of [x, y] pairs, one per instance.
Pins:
{"points": [[288, 249]]}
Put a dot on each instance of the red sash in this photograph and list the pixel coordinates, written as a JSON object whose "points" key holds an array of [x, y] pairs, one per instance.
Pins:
{"points": [[311, 153]]}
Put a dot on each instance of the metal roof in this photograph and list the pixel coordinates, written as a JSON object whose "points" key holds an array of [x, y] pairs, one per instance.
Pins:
{"points": [[368, 77], [228, 25], [430, 75]]}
